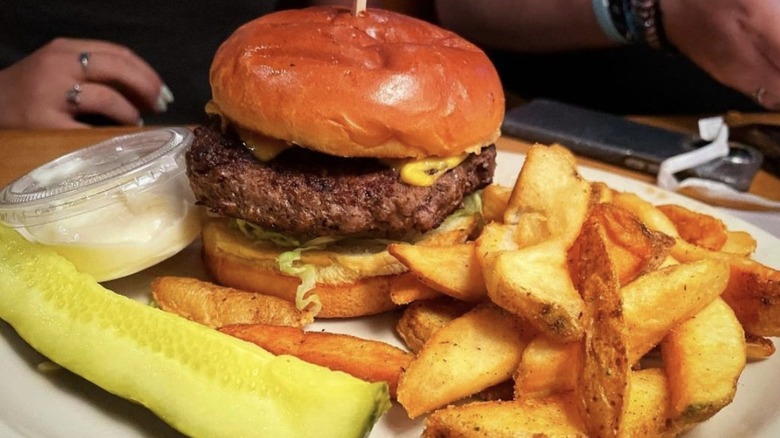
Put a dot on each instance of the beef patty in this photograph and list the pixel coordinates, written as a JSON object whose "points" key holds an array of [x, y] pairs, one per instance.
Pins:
{"points": [[310, 194]]}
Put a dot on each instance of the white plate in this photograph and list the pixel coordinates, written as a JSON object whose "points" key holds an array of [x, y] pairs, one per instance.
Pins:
{"points": [[58, 404]]}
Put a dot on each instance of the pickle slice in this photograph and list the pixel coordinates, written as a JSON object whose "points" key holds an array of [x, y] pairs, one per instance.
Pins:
{"points": [[202, 382]]}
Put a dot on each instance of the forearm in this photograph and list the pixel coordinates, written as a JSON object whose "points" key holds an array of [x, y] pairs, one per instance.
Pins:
{"points": [[524, 25]]}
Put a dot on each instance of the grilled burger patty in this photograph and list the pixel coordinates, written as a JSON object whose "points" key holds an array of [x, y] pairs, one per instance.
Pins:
{"points": [[310, 194]]}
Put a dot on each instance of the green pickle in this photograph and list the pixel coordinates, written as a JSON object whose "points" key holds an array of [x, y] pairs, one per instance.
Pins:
{"points": [[202, 382]]}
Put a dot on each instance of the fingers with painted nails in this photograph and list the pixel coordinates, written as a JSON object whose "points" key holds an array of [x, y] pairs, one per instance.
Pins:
{"points": [[69, 78]]}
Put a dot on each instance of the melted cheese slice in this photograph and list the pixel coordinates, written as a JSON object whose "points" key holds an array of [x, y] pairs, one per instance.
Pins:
{"points": [[264, 148], [422, 172]]}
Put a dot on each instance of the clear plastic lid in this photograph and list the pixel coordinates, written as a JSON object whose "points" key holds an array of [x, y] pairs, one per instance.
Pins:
{"points": [[92, 177]]}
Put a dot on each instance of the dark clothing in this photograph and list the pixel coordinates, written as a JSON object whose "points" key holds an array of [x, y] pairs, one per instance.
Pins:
{"points": [[178, 39], [630, 80]]}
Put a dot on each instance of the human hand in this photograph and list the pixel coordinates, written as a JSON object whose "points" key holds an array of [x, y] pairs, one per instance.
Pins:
{"points": [[736, 41], [66, 78]]}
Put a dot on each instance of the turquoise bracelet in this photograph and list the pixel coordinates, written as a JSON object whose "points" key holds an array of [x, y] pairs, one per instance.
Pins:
{"points": [[606, 16]]}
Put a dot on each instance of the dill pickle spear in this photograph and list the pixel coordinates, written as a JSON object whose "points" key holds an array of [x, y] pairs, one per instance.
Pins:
{"points": [[202, 382]]}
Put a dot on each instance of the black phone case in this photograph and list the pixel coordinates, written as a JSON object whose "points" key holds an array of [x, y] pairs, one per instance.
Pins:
{"points": [[621, 142], [605, 137]]}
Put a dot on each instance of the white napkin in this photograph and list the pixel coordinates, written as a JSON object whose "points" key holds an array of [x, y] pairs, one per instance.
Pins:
{"points": [[714, 130]]}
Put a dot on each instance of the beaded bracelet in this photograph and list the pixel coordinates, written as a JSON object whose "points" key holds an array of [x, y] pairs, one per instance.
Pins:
{"points": [[649, 22], [633, 22]]}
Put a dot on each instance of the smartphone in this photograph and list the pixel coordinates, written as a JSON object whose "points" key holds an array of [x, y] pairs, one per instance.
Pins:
{"points": [[621, 142]]}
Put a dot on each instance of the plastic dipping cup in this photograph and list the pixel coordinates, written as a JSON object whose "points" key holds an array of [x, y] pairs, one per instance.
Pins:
{"points": [[114, 208]]}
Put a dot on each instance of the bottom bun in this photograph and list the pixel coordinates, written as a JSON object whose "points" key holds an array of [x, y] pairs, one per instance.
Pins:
{"points": [[345, 284]]}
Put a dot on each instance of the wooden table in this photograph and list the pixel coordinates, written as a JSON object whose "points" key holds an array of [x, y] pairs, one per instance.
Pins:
{"points": [[22, 151]]}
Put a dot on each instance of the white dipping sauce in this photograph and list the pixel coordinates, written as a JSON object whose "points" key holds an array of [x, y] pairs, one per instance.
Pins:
{"points": [[113, 208], [124, 237]]}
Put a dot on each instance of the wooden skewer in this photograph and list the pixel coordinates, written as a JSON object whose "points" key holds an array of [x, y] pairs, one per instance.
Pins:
{"points": [[358, 7]]}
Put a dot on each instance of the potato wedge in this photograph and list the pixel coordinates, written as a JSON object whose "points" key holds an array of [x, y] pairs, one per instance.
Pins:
{"points": [[406, 288], [214, 306], [753, 289], [697, 228], [646, 415], [648, 213], [658, 301], [655, 297], [703, 359], [495, 198], [758, 347], [534, 283], [455, 229], [365, 359], [502, 391], [603, 386], [601, 192], [633, 248], [495, 238], [554, 416], [550, 199], [480, 349], [739, 243], [453, 270], [423, 318], [547, 367]]}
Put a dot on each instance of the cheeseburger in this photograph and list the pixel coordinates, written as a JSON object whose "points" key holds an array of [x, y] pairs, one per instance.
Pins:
{"points": [[334, 136]]}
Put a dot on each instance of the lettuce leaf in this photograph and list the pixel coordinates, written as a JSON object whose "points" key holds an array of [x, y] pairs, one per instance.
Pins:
{"points": [[306, 273], [289, 261]]}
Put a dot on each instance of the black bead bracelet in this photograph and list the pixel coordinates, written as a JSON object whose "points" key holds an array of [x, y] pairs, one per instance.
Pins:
{"points": [[637, 22]]}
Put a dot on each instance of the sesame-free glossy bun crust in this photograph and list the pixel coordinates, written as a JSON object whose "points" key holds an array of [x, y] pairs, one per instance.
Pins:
{"points": [[378, 85]]}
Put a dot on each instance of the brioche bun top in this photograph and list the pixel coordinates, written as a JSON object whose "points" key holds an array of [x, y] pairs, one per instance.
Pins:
{"points": [[381, 84]]}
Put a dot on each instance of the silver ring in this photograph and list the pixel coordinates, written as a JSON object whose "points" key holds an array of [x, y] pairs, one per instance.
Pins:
{"points": [[84, 61], [758, 95], [73, 94]]}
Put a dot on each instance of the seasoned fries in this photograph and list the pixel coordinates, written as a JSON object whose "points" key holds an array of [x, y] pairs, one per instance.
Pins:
{"points": [[657, 302], [452, 270], [495, 198], [739, 243], [703, 357], [697, 228], [648, 213], [547, 367], [758, 347], [603, 385], [407, 289], [550, 199], [533, 283], [753, 290], [457, 230], [423, 318], [554, 416], [365, 359], [569, 309], [648, 397], [215, 306], [478, 350], [633, 248]]}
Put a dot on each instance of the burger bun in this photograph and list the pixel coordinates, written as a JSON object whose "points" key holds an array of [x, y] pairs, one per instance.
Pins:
{"points": [[381, 84]]}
